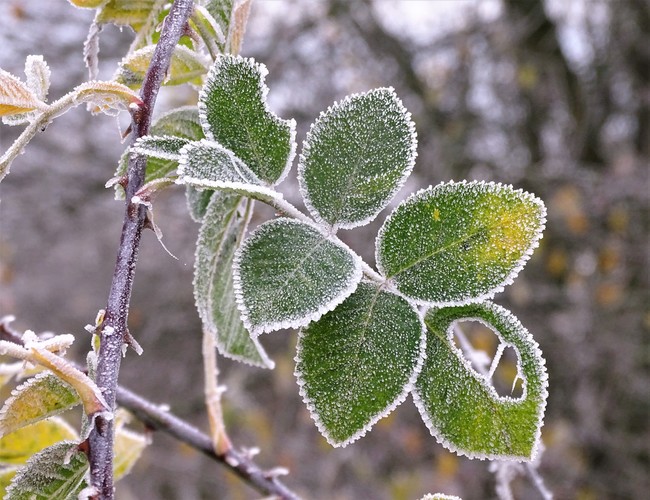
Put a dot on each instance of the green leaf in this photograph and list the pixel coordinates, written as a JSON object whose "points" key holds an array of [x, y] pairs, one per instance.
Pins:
{"points": [[39, 397], [187, 66], [461, 408], [359, 361], [288, 274], [138, 14], [222, 231], [459, 242], [18, 446], [234, 113], [356, 156], [164, 147], [231, 17], [208, 165], [56, 473], [181, 123], [197, 202]]}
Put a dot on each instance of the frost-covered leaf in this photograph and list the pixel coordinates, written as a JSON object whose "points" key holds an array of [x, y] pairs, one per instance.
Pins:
{"points": [[222, 231], [231, 17], [459, 242], [234, 113], [39, 397], [127, 449], [183, 124], [87, 4], [186, 66], [461, 408], [356, 157], [440, 496], [18, 446], [56, 473], [197, 202], [38, 76], [207, 165], [204, 24], [359, 361], [138, 14], [164, 147], [105, 97], [16, 97], [288, 274]]}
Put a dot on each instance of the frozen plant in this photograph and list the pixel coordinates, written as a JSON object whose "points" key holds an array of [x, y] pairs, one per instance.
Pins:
{"points": [[367, 338]]}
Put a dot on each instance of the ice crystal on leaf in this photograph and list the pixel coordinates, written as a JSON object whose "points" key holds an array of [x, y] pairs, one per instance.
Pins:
{"points": [[356, 156], [234, 113], [206, 164], [222, 230], [287, 273], [461, 408], [56, 473], [358, 362], [461, 242]]}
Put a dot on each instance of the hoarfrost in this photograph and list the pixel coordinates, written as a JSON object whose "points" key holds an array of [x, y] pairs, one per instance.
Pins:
{"points": [[287, 274]]}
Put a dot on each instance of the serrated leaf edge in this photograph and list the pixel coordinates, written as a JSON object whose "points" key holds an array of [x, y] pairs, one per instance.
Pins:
{"points": [[314, 129], [245, 188], [18, 390], [302, 320], [508, 279], [408, 387], [263, 90], [526, 337]]}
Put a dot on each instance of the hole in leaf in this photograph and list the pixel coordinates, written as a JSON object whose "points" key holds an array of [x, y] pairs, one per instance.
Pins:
{"points": [[482, 348]]}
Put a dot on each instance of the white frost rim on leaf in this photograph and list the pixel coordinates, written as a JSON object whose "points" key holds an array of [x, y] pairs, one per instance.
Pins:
{"points": [[399, 399], [314, 130], [147, 146], [263, 91], [302, 320], [526, 339], [493, 187]]}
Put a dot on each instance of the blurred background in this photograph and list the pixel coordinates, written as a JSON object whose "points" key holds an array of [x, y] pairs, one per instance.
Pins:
{"points": [[550, 96]]}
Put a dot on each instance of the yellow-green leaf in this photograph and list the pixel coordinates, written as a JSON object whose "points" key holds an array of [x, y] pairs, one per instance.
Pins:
{"points": [[6, 475], [105, 97], [40, 397], [15, 96], [133, 13], [187, 66], [17, 447], [128, 448], [87, 4]]}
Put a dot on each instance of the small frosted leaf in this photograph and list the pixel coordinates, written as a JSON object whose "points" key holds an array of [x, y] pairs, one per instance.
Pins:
{"points": [[39, 397], [186, 66], [138, 14], [356, 156], [87, 4], [288, 274], [231, 17], [208, 165], [459, 242], [18, 446], [223, 228], [461, 408], [127, 449], [235, 114], [440, 496], [15, 97], [359, 361], [164, 147], [105, 97], [38, 76], [197, 202], [181, 123], [56, 473]]}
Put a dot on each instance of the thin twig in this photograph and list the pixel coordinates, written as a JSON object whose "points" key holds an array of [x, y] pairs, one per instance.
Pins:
{"points": [[158, 418], [115, 322], [265, 482]]}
